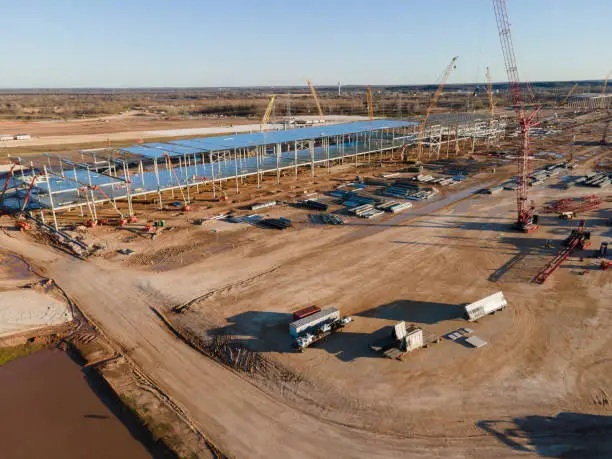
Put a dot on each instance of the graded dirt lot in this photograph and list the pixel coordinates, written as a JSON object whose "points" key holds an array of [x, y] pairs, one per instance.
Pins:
{"points": [[539, 387]]}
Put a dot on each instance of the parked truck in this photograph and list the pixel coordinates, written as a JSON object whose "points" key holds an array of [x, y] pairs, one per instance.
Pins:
{"points": [[316, 326]]}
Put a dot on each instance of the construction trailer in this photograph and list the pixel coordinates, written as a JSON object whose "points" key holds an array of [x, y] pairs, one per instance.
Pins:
{"points": [[400, 341], [486, 306]]}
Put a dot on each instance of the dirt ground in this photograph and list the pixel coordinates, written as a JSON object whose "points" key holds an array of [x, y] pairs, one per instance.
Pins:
{"points": [[540, 386], [129, 121]]}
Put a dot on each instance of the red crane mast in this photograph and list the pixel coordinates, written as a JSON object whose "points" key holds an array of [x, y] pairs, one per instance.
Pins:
{"points": [[525, 218]]}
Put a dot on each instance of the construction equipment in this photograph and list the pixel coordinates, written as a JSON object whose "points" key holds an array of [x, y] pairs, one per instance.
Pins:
{"points": [[491, 100], [433, 103], [316, 99], [28, 194], [568, 208], [370, 103], [267, 114], [571, 91], [525, 213], [578, 239], [8, 179]]}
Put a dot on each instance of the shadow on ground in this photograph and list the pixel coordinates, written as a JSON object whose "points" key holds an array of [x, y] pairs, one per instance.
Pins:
{"points": [[567, 435], [423, 312]]}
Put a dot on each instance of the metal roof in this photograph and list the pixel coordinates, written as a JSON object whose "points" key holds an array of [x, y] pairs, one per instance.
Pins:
{"points": [[229, 142]]}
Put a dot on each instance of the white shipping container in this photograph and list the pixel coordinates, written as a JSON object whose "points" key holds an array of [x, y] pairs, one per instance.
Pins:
{"points": [[485, 306], [300, 326]]}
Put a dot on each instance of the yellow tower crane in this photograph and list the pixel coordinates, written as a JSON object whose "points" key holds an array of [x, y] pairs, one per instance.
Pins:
{"points": [[370, 103], [316, 99], [433, 103], [569, 94], [267, 114]]}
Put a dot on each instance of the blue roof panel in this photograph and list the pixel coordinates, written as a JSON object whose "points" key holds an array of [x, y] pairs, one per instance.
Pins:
{"points": [[173, 148], [229, 142]]}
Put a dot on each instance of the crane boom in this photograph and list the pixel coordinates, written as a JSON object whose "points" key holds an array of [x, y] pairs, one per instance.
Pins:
{"points": [[6, 182], [268, 113], [434, 101], [316, 99], [491, 100], [603, 91], [526, 121], [370, 104], [569, 94]]}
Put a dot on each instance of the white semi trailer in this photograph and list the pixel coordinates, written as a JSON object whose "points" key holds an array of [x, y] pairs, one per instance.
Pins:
{"points": [[488, 305]]}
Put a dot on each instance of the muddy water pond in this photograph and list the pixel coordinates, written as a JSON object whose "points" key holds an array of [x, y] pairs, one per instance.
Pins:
{"points": [[49, 408]]}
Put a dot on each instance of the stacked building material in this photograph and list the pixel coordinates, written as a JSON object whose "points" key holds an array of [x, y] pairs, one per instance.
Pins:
{"points": [[314, 205], [394, 206], [330, 219], [277, 223], [365, 211], [386, 206], [399, 207], [600, 179], [262, 205], [573, 205]]}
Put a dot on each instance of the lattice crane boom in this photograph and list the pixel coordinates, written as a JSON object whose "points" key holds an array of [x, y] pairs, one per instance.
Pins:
{"points": [[316, 99], [370, 103], [526, 121], [490, 91], [434, 102], [268, 113], [569, 94]]}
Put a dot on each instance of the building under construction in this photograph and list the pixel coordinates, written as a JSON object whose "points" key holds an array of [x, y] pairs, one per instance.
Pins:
{"points": [[55, 183]]}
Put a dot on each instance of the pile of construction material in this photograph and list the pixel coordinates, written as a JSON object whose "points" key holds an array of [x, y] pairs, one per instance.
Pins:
{"points": [[366, 211], [409, 191], [400, 341], [597, 179], [313, 204], [263, 205], [276, 223], [330, 219], [312, 324], [568, 208], [394, 206], [444, 181], [544, 173]]}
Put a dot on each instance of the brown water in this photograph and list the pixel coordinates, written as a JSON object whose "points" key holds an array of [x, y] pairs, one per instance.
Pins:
{"points": [[48, 409]]}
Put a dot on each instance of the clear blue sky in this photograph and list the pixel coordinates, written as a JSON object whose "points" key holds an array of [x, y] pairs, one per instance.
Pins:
{"points": [[131, 43]]}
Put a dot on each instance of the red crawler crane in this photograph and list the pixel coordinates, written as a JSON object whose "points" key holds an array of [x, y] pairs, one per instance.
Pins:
{"points": [[526, 220]]}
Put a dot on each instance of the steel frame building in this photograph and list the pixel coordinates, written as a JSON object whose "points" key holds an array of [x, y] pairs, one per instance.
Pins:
{"points": [[58, 183]]}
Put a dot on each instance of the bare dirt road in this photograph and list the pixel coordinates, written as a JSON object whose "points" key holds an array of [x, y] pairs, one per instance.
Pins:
{"points": [[548, 356]]}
